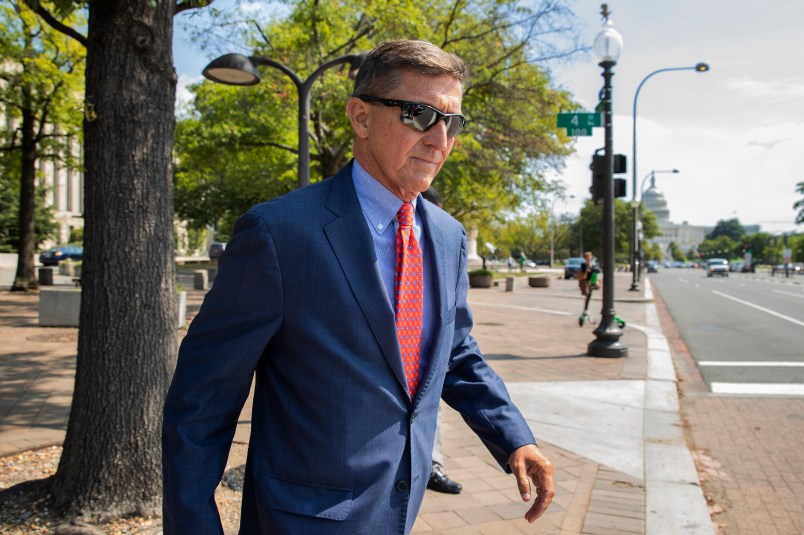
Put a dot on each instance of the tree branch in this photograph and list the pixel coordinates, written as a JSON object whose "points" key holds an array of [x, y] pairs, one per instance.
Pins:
{"points": [[56, 24], [184, 5]]}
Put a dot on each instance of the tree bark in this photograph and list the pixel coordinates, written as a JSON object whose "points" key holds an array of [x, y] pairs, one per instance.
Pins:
{"points": [[111, 463], [25, 277]]}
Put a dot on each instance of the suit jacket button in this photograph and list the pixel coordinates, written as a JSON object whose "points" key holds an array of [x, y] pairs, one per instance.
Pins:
{"points": [[401, 485], [413, 417]]}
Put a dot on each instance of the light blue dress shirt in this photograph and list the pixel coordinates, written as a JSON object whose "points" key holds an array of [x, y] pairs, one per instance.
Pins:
{"points": [[379, 207]]}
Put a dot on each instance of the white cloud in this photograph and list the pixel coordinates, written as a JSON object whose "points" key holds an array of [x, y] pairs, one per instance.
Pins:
{"points": [[779, 90]]}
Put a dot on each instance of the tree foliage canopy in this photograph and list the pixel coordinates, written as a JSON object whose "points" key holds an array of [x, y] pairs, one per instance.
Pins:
{"points": [[237, 146], [41, 84], [590, 223], [727, 227]]}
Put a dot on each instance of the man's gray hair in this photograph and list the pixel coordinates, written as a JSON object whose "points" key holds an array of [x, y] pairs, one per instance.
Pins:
{"points": [[383, 67]]}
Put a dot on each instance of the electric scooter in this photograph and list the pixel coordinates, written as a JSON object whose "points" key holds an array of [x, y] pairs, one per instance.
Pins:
{"points": [[593, 276]]}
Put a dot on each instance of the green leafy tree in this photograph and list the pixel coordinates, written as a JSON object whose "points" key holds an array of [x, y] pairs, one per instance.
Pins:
{"points": [[238, 144], [799, 205], [41, 71], [652, 251], [797, 247], [720, 247], [757, 244], [44, 224], [727, 227], [675, 251], [589, 227]]}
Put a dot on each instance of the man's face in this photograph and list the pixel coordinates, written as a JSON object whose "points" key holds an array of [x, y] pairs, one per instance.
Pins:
{"points": [[400, 157]]}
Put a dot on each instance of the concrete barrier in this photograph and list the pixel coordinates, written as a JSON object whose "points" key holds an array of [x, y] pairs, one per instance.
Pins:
{"points": [[8, 269], [201, 279], [539, 282], [181, 305], [59, 307], [509, 284]]}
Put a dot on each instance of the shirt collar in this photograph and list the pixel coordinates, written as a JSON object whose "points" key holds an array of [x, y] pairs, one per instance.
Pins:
{"points": [[379, 205]]}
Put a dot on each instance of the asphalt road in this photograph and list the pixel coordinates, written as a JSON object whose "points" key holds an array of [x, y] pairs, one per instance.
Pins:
{"points": [[745, 332]]}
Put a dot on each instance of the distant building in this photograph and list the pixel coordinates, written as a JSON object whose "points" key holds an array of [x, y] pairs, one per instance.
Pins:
{"points": [[64, 193], [684, 235], [63, 187]]}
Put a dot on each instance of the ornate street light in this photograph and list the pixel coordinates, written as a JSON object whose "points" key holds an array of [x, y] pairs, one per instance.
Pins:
{"points": [[607, 46], [698, 67], [237, 69]]}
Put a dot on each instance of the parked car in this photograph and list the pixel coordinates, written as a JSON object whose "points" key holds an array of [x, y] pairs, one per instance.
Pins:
{"points": [[717, 266], [216, 249], [789, 267], [736, 266], [572, 266], [53, 256], [652, 266]]}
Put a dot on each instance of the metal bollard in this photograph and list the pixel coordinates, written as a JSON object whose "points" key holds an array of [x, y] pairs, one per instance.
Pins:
{"points": [[46, 276]]}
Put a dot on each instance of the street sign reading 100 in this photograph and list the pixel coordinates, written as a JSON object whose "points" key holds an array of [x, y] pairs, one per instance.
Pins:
{"points": [[579, 124]]}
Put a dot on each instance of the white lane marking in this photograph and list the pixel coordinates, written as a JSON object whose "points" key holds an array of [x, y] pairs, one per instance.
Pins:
{"points": [[531, 309], [763, 309], [683, 280], [762, 389], [737, 364], [789, 293]]}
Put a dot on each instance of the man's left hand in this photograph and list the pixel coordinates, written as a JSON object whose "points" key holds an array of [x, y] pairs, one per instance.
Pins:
{"points": [[527, 463]]}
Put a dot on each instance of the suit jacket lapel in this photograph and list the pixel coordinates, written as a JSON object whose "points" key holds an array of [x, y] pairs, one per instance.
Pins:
{"points": [[352, 244], [437, 251]]}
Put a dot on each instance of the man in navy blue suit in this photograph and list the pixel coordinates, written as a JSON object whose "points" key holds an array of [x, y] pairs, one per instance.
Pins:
{"points": [[305, 305]]}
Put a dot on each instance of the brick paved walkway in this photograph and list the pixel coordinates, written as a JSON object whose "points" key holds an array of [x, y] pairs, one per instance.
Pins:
{"points": [[531, 337]]}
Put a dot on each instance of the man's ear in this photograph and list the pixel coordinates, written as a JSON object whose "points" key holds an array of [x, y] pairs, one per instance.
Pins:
{"points": [[358, 113]]}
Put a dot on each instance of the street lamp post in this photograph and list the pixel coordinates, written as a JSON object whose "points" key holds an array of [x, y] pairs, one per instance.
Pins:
{"points": [[698, 67], [607, 46], [553, 229], [638, 208], [237, 69]]}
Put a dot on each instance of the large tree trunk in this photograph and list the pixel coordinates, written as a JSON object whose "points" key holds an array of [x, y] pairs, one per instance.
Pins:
{"points": [[111, 464], [25, 278]]}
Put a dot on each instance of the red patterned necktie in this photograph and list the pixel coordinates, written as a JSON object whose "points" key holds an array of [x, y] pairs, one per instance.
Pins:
{"points": [[409, 294]]}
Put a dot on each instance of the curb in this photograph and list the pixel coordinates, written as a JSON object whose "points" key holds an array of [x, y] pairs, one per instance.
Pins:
{"points": [[675, 503]]}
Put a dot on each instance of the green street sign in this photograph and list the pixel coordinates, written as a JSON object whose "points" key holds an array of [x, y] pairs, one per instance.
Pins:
{"points": [[579, 124]]}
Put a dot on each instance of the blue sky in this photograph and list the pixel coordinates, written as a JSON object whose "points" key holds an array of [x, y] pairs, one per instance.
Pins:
{"points": [[734, 133]]}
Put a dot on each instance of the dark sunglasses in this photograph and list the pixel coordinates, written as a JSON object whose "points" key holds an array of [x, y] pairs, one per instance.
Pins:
{"points": [[421, 116]]}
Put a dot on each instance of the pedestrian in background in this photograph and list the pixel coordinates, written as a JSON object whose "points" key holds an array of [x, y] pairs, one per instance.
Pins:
{"points": [[584, 274]]}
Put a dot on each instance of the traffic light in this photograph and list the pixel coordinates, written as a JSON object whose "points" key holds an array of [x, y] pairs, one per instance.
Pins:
{"points": [[619, 187], [620, 167], [619, 164], [598, 174]]}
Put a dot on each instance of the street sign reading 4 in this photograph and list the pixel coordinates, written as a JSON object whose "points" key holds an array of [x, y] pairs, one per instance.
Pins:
{"points": [[579, 124]]}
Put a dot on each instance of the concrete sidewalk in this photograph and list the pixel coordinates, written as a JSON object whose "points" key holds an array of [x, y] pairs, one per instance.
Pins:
{"points": [[610, 426]]}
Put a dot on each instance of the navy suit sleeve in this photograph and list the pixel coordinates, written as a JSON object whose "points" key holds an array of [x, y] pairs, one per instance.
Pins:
{"points": [[473, 388], [217, 359]]}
